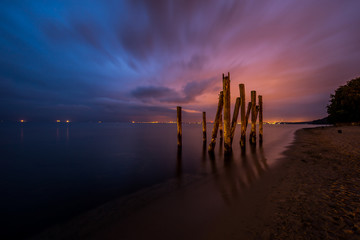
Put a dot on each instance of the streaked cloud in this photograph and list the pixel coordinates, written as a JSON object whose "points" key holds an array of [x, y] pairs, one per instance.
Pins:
{"points": [[117, 58]]}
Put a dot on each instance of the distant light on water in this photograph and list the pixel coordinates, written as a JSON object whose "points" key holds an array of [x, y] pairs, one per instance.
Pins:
{"points": [[67, 121], [22, 120], [156, 122], [58, 121], [146, 122]]}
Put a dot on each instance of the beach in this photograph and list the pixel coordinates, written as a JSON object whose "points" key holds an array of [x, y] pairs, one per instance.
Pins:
{"points": [[311, 194], [319, 195], [174, 120]]}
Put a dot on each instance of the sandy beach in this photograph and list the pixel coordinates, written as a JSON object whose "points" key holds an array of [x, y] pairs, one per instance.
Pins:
{"points": [[312, 194], [318, 197]]}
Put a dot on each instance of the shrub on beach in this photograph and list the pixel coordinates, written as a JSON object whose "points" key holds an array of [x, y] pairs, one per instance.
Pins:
{"points": [[344, 105]]}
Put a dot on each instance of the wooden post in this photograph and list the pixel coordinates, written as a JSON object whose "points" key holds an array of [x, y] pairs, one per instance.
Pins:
{"points": [[234, 119], [221, 126], [247, 115], [179, 128], [204, 126], [227, 133], [260, 119], [216, 123], [243, 121], [257, 112], [253, 118]]}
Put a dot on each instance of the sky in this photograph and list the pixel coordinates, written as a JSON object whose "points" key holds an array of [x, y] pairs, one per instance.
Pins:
{"points": [[137, 60]]}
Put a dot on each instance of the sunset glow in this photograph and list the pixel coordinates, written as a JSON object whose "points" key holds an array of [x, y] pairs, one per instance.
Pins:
{"points": [[136, 61]]}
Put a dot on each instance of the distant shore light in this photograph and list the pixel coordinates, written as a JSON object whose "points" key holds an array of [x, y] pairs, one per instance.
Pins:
{"points": [[58, 121], [99, 121], [22, 120], [67, 121]]}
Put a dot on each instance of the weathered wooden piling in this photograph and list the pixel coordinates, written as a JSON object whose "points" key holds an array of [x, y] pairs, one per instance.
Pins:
{"points": [[253, 118], [221, 126], [243, 120], [234, 119], [257, 112], [247, 115], [227, 133], [204, 126], [179, 127], [216, 122], [260, 119]]}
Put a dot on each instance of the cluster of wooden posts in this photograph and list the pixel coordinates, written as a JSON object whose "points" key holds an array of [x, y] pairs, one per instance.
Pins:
{"points": [[227, 128]]}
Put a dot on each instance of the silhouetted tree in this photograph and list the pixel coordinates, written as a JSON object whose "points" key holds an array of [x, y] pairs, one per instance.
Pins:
{"points": [[344, 106]]}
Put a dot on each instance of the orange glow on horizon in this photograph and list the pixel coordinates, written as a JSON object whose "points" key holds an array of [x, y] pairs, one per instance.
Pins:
{"points": [[155, 122], [238, 122], [188, 110]]}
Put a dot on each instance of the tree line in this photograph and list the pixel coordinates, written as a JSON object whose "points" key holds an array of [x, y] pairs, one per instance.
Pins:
{"points": [[344, 106]]}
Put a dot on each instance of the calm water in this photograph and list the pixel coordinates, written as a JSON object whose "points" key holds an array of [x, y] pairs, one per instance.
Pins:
{"points": [[50, 172]]}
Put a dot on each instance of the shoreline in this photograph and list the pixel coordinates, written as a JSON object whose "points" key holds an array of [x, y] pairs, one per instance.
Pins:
{"points": [[289, 201], [322, 186]]}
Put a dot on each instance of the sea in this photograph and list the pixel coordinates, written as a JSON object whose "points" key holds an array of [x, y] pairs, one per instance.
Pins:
{"points": [[51, 172]]}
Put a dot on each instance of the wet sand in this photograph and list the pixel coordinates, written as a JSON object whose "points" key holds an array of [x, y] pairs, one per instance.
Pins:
{"points": [[312, 194]]}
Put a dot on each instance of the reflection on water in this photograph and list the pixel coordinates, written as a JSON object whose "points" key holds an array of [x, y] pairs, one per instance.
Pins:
{"points": [[238, 170], [53, 170], [57, 134], [67, 132], [178, 164], [221, 146], [21, 133]]}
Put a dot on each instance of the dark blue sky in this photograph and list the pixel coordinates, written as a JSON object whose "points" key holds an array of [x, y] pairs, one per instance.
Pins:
{"points": [[138, 60]]}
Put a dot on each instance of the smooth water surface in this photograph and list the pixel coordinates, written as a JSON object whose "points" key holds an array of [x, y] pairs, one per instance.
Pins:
{"points": [[51, 172]]}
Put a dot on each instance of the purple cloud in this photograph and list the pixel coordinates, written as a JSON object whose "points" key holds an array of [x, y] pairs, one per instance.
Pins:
{"points": [[168, 53]]}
